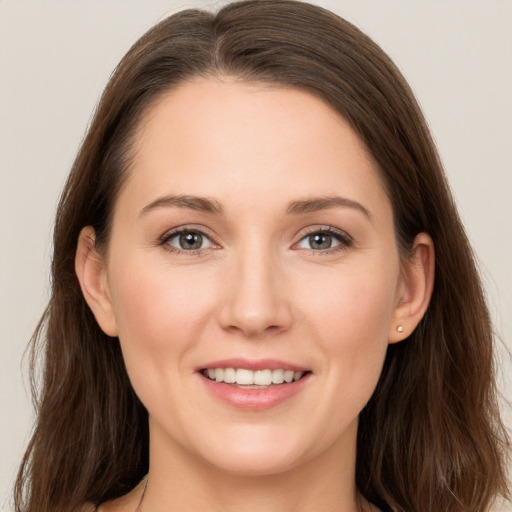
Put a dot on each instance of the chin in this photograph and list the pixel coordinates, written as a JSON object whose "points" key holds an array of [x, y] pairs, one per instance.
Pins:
{"points": [[258, 452], [259, 464]]}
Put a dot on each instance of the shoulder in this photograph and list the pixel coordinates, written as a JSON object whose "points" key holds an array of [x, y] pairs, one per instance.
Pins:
{"points": [[88, 507], [126, 503], [109, 506]]}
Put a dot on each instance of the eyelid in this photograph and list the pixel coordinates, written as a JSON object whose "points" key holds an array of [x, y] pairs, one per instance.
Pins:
{"points": [[186, 228], [342, 236]]}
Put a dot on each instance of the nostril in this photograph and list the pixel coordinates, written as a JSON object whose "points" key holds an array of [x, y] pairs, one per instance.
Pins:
{"points": [[254, 303]]}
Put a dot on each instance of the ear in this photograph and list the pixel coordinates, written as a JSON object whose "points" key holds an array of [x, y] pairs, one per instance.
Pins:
{"points": [[91, 271], [415, 289]]}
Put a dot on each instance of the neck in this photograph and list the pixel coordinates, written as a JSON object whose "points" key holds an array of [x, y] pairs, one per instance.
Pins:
{"points": [[324, 482]]}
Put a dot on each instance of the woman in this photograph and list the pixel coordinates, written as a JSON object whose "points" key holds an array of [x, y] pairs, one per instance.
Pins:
{"points": [[263, 297]]}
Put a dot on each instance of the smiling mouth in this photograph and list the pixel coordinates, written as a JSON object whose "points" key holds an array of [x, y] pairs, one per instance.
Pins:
{"points": [[252, 379]]}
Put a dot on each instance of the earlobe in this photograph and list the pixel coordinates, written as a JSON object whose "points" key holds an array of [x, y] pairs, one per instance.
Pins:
{"points": [[415, 290], [91, 271]]}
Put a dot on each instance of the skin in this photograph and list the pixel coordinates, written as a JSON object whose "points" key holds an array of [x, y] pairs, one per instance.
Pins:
{"points": [[256, 288]]}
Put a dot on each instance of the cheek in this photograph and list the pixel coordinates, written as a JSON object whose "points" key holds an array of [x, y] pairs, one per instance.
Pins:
{"points": [[160, 314], [353, 308], [158, 305], [351, 323], [368, 310]]}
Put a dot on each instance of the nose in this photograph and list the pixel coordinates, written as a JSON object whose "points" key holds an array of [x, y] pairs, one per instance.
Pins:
{"points": [[255, 297]]}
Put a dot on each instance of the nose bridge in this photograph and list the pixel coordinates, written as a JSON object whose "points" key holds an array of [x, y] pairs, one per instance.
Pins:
{"points": [[254, 299]]}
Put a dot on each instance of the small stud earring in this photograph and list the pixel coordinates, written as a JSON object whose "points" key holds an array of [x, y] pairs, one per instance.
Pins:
{"points": [[400, 328]]}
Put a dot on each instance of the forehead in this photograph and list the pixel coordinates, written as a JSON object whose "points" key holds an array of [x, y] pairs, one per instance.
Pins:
{"points": [[225, 138]]}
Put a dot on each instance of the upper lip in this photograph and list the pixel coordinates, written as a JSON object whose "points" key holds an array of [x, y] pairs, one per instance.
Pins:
{"points": [[253, 364]]}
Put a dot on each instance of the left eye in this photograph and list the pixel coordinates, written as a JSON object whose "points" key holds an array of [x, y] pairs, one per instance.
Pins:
{"points": [[189, 241], [320, 241]]}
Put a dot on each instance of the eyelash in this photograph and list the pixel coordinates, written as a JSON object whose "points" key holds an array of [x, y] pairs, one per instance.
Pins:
{"points": [[164, 241], [345, 240]]}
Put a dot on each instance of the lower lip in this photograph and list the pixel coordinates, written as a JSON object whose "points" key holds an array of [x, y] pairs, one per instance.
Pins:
{"points": [[254, 399]]}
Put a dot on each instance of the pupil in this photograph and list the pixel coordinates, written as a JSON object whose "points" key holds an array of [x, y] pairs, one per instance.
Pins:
{"points": [[191, 241], [320, 241]]}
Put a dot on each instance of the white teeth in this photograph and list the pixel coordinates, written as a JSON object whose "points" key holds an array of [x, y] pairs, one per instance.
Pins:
{"points": [[244, 377], [277, 376], [263, 377], [229, 375], [288, 375]]}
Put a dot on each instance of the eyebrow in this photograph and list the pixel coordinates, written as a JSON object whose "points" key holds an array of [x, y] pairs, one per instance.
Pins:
{"points": [[315, 204], [202, 204], [208, 205]]}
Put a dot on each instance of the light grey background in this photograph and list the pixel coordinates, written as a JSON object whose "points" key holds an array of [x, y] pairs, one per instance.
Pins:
{"points": [[56, 56]]}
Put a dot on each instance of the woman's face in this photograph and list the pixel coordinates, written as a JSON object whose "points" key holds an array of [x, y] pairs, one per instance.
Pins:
{"points": [[253, 241]]}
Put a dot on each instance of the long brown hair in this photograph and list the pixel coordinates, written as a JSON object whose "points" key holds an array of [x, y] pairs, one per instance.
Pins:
{"points": [[431, 438]]}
